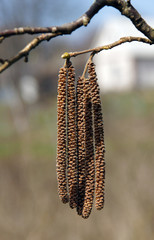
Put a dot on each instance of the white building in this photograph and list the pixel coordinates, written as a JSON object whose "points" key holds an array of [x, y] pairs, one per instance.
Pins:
{"points": [[128, 66]]}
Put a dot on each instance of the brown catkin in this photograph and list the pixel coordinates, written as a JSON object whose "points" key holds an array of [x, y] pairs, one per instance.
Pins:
{"points": [[71, 138], [61, 136], [89, 153], [99, 137], [81, 144]]}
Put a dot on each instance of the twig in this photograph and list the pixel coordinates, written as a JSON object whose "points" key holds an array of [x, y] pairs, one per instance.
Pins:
{"points": [[109, 46], [25, 51], [67, 28]]}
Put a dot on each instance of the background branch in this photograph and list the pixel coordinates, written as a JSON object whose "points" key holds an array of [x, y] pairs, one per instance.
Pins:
{"points": [[25, 51]]}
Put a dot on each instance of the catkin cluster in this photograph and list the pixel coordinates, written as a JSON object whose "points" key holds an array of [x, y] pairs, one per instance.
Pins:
{"points": [[80, 141]]}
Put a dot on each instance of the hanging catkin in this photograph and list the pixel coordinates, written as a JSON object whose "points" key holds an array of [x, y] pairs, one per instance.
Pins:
{"points": [[71, 138], [81, 144], [89, 152], [99, 137], [61, 136]]}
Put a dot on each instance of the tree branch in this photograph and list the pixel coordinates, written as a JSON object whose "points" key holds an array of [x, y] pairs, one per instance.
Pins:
{"points": [[67, 28], [126, 9], [25, 51], [107, 47], [123, 6]]}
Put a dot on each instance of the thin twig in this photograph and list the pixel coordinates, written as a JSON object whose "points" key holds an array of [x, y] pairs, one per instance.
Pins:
{"points": [[109, 46], [26, 50]]}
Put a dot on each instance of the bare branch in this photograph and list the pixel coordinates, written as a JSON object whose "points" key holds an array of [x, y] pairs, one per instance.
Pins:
{"points": [[25, 51], [109, 46], [123, 6], [126, 9], [67, 28]]}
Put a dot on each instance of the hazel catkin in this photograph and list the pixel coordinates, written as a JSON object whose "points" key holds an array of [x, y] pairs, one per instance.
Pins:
{"points": [[80, 144], [89, 152], [80, 140], [98, 137], [61, 136], [71, 138]]}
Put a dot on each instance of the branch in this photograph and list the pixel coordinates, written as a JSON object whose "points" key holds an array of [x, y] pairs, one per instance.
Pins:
{"points": [[67, 28], [123, 6], [126, 9], [25, 51], [107, 47]]}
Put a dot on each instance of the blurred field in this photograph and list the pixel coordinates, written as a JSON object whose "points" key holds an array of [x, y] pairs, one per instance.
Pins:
{"points": [[29, 204]]}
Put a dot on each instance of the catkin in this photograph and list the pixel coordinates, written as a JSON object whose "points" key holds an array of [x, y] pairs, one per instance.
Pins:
{"points": [[81, 145], [99, 138], [80, 140], [71, 138], [61, 136], [89, 153]]}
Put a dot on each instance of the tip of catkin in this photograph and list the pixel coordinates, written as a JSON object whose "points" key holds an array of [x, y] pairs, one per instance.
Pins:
{"points": [[99, 205], [85, 216], [65, 199]]}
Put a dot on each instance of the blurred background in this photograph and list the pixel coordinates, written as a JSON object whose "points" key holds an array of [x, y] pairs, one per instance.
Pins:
{"points": [[29, 205]]}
